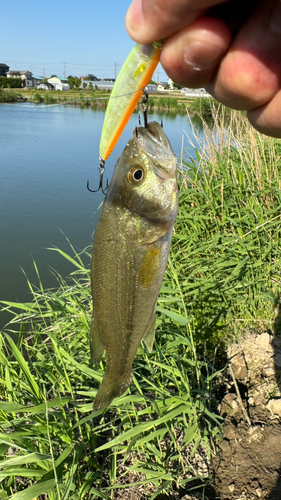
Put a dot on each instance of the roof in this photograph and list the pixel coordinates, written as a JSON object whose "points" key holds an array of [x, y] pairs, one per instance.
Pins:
{"points": [[47, 84], [56, 78], [15, 72], [4, 65]]}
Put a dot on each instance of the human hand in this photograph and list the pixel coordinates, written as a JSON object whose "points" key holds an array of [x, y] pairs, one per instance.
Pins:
{"points": [[232, 49]]}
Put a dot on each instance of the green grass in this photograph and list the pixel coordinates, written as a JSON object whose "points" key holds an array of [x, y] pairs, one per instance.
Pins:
{"points": [[48, 385], [222, 278], [166, 103], [204, 106], [227, 244], [9, 95], [84, 98]]}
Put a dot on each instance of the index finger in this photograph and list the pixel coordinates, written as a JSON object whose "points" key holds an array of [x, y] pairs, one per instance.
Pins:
{"points": [[151, 20]]}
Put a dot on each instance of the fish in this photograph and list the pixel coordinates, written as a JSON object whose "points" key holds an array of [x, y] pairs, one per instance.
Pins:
{"points": [[135, 74], [130, 251]]}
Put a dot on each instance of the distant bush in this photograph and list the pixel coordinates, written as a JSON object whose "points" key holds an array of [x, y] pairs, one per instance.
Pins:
{"points": [[204, 106], [12, 83], [166, 103], [37, 97], [49, 99], [8, 95]]}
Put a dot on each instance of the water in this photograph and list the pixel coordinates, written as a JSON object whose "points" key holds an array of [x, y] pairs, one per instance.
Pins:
{"points": [[47, 153]]}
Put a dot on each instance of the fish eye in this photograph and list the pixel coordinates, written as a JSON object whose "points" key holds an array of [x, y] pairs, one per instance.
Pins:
{"points": [[136, 175]]}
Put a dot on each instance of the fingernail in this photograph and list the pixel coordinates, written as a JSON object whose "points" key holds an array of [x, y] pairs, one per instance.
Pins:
{"points": [[275, 18], [134, 17], [201, 56]]}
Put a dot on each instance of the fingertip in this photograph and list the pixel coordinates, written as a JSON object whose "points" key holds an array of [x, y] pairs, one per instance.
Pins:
{"points": [[134, 19], [267, 118], [192, 55]]}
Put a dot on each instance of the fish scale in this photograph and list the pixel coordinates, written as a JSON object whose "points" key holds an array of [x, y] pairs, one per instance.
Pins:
{"points": [[130, 252]]}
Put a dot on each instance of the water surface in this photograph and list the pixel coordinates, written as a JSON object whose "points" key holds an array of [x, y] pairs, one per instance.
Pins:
{"points": [[47, 155]]}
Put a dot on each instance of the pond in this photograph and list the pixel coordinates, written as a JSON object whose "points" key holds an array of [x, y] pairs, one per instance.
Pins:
{"points": [[47, 155]]}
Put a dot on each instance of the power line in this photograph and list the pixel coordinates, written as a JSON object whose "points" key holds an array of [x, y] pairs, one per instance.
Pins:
{"points": [[59, 63]]}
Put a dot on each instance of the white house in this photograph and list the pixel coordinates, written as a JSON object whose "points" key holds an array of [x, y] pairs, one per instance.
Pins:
{"points": [[26, 77], [59, 83], [45, 86], [170, 83]]}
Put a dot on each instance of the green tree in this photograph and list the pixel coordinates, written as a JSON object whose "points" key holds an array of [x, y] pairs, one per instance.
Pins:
{"points": [[71, 81], [10, 83], [77, 82]]}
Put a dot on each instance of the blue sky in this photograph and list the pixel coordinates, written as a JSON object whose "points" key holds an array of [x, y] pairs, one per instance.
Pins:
{"points": [[41, 35]]}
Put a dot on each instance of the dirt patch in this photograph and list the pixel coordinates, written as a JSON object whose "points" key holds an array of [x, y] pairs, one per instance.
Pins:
{"points": [[249, 463]]}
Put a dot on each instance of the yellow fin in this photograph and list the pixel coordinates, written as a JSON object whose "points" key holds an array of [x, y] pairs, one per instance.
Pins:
{"points": [[150, 266]]}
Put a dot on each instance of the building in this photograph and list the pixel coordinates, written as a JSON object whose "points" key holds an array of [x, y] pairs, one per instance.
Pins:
{"points": [[104, 85], [26, 77], [194, 92], [152, 88], [59, 83], [45, 86], [90, 77], [87, 84], [36, 80], [3, 69], [170, 83]]}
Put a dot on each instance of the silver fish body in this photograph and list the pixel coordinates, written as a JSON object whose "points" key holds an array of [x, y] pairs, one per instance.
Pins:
{"points": [[130, 252]]}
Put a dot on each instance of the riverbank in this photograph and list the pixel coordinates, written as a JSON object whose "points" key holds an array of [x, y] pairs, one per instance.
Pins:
{"points": [[222, 281], [92, 98]]}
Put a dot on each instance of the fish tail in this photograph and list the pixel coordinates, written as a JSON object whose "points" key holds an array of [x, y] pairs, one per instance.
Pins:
{"points": [[111, 388]]}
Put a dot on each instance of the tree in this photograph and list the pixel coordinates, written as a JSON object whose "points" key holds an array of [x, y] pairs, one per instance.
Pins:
{"points": [[71, 81], [77, 82]]}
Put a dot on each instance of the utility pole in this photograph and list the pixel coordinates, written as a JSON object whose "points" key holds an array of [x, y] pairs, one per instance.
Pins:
{"points": [[43, 73], [64, 71]]}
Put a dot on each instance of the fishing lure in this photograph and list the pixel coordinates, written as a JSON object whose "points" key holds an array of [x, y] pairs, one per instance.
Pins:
{"points": [[135, 74]]}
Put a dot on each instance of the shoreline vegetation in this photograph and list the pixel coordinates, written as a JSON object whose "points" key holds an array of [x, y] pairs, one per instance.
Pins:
{"points": [[222, 280], [98, 99]]}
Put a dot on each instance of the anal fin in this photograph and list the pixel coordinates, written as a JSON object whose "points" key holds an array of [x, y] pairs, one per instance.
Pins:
{"points": [[149, 335], [96, 346]]}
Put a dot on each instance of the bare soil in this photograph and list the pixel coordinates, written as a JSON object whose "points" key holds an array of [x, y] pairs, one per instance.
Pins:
{"points": [[248, 465]]}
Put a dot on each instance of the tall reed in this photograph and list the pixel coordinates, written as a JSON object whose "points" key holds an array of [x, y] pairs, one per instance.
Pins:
{"points": [[227, 243]]}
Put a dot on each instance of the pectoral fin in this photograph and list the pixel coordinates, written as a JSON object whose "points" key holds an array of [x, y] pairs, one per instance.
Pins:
{"points": [[96, 346], [149, 335], [155, 231]]}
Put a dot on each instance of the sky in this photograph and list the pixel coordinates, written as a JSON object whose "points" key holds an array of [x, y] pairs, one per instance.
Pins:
{"points": [[66, 37]]}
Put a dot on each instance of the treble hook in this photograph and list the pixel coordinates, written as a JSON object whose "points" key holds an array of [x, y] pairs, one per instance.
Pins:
{"points": [[143, 103], [101, 169]]}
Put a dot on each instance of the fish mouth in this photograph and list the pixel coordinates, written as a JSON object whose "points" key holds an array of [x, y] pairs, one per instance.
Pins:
{"points": [[154, 143], [154, 131]]}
